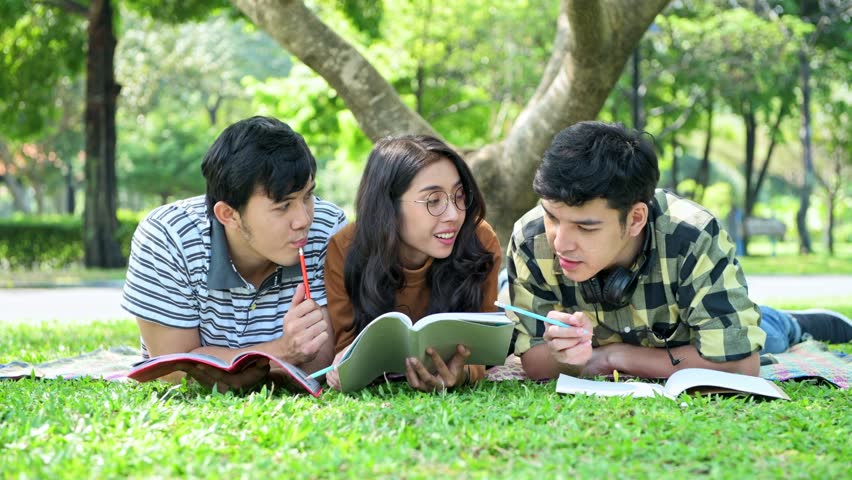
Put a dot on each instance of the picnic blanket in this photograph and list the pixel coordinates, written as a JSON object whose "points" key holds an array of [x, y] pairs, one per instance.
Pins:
{"points": [[110, 364], [807, 360]]}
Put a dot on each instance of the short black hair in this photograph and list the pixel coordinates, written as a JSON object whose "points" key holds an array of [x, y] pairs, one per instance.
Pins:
{"points": [[591, 160], [258, 152]]}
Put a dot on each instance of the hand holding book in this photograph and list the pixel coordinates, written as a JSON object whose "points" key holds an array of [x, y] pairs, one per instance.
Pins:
{"points": [[223, 380], [447, 375], [246, 369], [387, 344]]}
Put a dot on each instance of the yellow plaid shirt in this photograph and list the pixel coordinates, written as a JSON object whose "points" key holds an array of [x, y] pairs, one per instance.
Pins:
{"points": [[691, 286]]}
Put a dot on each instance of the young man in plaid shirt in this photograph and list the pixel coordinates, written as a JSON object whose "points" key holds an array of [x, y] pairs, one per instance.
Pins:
{"points": [[647, 281]]}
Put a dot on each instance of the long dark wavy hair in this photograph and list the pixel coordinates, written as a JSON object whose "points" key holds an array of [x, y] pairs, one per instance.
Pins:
{"points": [[373, 272]]}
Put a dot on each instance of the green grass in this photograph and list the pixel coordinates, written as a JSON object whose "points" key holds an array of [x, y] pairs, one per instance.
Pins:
{"points": [[88, 428], [788, 261], [59, 277]]}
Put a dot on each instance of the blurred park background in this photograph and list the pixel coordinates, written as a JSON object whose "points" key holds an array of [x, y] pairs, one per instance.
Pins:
{"points": [[108, 106]]}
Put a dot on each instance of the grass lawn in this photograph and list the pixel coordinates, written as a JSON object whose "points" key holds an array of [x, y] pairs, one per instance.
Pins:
{"points": [[787, 260], [60, 277], [88, 428]]}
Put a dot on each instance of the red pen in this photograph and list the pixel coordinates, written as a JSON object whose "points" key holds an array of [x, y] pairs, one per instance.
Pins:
{"points": [[304, 274]]}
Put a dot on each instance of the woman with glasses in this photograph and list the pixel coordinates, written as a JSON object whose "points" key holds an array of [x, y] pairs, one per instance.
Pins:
{"points": [[420, 245]]}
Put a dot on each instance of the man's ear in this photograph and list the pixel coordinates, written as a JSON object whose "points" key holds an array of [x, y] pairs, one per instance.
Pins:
{"points": [[637, 218], [228, 216]]}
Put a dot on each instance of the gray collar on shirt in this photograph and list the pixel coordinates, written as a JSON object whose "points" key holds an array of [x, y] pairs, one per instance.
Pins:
{"points": [[222, 274]]}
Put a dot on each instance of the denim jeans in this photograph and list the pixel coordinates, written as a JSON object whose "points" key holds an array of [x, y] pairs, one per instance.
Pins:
{"points": [[781, 329]]}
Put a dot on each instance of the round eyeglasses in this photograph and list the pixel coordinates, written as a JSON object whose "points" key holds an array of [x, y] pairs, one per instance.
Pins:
{"points": [[437, 201]]}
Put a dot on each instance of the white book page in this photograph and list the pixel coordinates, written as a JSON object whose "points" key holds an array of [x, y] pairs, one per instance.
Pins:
{"points": [[569, 384], [403, 317], [704, 377]]}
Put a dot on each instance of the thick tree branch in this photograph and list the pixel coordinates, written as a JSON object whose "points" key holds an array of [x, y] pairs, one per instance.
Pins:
{"points": [[560, 49], [376, 105], [593, 41]]}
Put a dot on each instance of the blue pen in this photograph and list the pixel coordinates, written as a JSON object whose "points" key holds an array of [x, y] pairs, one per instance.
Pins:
{"points": [[321, 372], [533, 315]]}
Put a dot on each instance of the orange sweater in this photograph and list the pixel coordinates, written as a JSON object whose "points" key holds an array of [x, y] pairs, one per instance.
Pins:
{"points": [[413, 299]]}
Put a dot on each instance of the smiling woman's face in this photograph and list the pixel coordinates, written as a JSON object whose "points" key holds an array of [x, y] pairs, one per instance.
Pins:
{"points": [[423, 235]]}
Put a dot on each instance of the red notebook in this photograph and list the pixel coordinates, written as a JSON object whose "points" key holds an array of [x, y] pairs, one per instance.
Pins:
{"points": [[153, 368]]}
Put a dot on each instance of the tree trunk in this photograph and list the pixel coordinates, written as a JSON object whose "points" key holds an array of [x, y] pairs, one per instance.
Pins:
{"points": [[702, 176], [638, 112], [19, 194], [213, 110], [593, 42], [99, 220], [16, 189], [751, 141], [674, 164], [774, 131], [807, 184], [70, 192], [829, 232]]}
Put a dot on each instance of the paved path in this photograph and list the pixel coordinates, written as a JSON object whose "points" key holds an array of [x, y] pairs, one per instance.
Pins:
{"points": [[70, 304], [73, 304]]}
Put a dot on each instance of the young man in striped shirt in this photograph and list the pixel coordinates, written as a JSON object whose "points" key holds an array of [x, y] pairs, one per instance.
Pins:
{"points": [[219, 273], [648, 281]]}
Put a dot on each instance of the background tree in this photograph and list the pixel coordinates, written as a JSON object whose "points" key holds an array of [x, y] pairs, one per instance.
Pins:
{"points": [[63, 22], [181, 84], [593, 41]]}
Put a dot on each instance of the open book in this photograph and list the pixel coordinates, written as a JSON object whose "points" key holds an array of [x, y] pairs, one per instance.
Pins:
{"points": [[701, 379], [388, 340], [295, 379]]}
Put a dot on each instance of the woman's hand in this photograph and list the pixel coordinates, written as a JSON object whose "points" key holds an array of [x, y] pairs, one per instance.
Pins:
{"points": [[332, 377], [447, 375]]}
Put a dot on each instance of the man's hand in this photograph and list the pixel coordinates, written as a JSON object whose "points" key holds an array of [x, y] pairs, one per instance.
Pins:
{"points": [[224, 381], [570, 346], [305, 330], [448, 375]]}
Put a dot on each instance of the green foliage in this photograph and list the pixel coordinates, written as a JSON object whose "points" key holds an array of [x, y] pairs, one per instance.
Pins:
{"points": [[178, 11], [162, 157], [52, 242], [84, 428], [718, 198], [365, 15], [29, 242], [194, 68], [39, 45], [467, 67], [304, 101]]}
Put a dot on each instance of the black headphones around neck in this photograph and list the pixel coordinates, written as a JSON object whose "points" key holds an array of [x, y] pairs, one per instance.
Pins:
{"points": [[615, 286]]}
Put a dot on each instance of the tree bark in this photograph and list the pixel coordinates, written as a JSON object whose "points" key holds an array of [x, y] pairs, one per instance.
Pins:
{"points": [[751, 142], [99, 220], [807, 183], [19, 195], [702, 176], [593, 41], [675, 167], [638, 112]]}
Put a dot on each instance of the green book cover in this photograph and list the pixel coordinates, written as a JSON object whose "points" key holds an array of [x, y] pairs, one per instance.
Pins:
{"points": [[388, 340]]}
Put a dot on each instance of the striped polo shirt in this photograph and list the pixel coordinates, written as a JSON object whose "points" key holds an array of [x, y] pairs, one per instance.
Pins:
{"points": [[180, 275]]}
